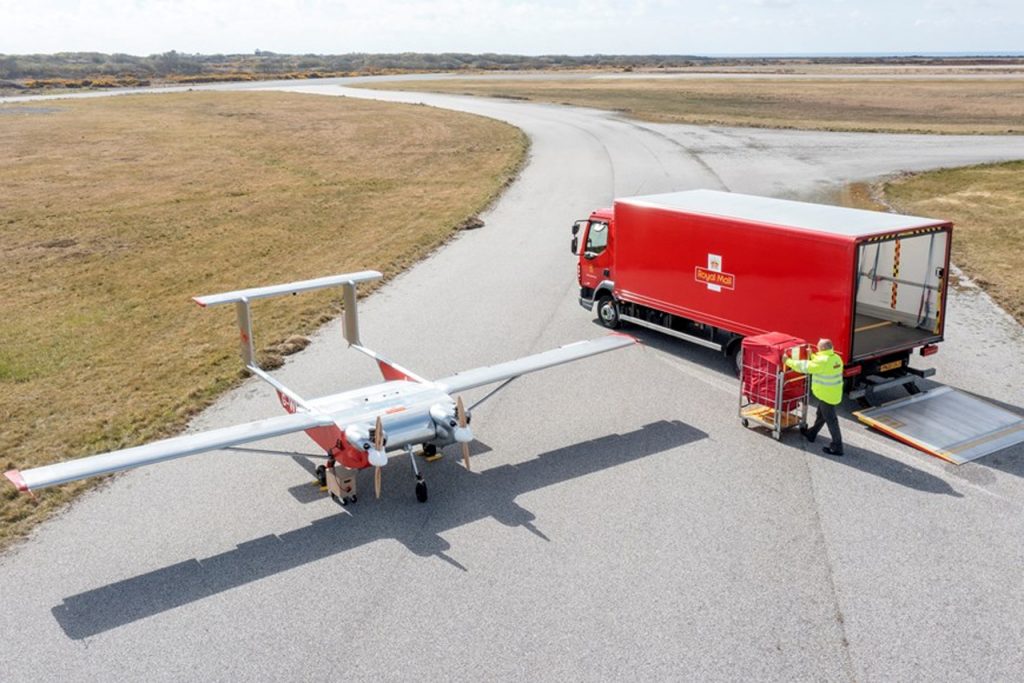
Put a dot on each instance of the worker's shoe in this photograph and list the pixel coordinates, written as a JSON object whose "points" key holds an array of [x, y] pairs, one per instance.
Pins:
{"points": [[831, 451], [806, 433]]}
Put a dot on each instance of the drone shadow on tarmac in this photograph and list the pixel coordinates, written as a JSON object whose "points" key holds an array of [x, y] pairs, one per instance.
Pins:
{"points": [[494, 493]]}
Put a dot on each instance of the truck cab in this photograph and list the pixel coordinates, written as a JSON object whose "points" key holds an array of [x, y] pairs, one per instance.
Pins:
{"points": [[591, 243]]}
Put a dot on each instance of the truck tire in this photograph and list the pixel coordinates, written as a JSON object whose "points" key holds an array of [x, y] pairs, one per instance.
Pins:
{"points": [[735, 354], [608, 312]]}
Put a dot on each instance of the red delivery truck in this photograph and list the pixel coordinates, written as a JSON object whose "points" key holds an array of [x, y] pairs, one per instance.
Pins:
{"points": [[714, 267]]}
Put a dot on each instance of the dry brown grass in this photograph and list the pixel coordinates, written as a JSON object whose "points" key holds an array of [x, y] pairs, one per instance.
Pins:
{"points": [[986, 204], [934, 105], [115, 211]]}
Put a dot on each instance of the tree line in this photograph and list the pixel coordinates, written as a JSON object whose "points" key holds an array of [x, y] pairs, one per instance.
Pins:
{"points": [[173, 65]]}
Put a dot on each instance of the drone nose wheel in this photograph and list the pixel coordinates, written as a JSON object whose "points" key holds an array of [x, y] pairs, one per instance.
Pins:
{"points": [[421, 486]]}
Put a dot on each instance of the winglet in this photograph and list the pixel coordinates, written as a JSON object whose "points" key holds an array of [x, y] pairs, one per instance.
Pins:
{"points": [[17, 480]]}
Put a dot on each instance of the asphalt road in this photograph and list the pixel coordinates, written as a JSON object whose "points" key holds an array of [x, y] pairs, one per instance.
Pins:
{"points": [[618, 521]]}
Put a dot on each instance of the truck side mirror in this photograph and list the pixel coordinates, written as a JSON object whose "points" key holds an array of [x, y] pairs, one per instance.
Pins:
{"points": [[575, 244], [576, 227]]}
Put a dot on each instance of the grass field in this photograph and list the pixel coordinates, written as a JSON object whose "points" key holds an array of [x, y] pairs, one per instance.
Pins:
{"points": [[115, 211], [975, 104], [986, 204]]}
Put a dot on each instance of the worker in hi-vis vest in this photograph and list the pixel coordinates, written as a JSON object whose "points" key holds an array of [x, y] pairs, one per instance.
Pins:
{"points": [[826, 370]]}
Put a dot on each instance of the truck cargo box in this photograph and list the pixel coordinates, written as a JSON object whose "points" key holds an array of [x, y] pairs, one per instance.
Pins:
{"points": [[873, 282]]}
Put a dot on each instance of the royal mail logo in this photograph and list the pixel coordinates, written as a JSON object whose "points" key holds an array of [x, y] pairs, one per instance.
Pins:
{"points": [[713, 276]]}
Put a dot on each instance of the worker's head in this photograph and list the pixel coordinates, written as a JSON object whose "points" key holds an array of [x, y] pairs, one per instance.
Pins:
{"points": [[824, 344]]}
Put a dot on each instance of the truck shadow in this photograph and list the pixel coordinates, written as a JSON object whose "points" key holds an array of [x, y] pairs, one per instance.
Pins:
{"points": [[876, 464], [460, 497], [705, 357], [1010, 460]]}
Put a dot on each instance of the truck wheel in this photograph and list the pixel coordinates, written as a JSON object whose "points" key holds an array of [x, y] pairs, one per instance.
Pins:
{"points": [[608, 312], [736, 353]]}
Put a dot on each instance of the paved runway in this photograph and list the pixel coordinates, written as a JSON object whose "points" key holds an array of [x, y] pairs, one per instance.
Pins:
{"points": [[618, 521]]}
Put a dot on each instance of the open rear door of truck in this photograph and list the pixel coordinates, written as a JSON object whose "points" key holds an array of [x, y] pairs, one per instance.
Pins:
{"points": [[947, 423]]}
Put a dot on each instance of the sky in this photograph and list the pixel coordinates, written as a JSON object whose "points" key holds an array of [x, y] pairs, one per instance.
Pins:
{"points": [[575, 27]]}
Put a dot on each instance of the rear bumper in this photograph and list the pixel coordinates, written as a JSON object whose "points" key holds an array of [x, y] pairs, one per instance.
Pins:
{"points": [[876, 383]]}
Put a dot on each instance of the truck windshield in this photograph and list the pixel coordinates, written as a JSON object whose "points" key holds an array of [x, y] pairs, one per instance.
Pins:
{"points": [[597, 238]]}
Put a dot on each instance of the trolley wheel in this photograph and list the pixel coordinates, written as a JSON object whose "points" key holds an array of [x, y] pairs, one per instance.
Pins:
{"points": [[608, 312], [745, 422]]}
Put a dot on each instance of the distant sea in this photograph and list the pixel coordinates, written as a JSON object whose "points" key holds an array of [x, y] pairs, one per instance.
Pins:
{"points": [[861, 55]]}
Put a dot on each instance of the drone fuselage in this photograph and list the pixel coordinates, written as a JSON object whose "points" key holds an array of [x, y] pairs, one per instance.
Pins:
{"points": [[411, 413]]}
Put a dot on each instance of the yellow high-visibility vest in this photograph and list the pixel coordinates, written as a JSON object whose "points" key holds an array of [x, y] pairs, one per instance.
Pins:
{"points": [[826, 371]]}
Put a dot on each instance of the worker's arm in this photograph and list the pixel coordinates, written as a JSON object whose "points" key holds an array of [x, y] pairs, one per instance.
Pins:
{"points": [[798, 365]]}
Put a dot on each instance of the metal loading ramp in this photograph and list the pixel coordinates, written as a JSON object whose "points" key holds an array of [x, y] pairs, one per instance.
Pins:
{"points": [[948, 424]]}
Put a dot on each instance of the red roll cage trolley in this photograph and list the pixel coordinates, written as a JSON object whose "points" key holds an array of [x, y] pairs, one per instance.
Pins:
{"points": [[772, 395]]}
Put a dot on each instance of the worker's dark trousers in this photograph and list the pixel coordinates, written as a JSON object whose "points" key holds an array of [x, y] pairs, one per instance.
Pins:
{"points": [[827, 416]]}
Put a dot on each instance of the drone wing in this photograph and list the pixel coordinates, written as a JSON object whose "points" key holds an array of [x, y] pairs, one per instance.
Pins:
{"points": [[522, 366], [167, 449]]}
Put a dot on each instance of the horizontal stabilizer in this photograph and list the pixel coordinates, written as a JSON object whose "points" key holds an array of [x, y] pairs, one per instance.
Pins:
{"points": [[521, 366], [168, 449], [287, 288]]}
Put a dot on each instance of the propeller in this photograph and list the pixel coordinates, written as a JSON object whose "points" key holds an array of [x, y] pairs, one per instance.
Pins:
{"points": [[463, 434], [378, 445]]}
